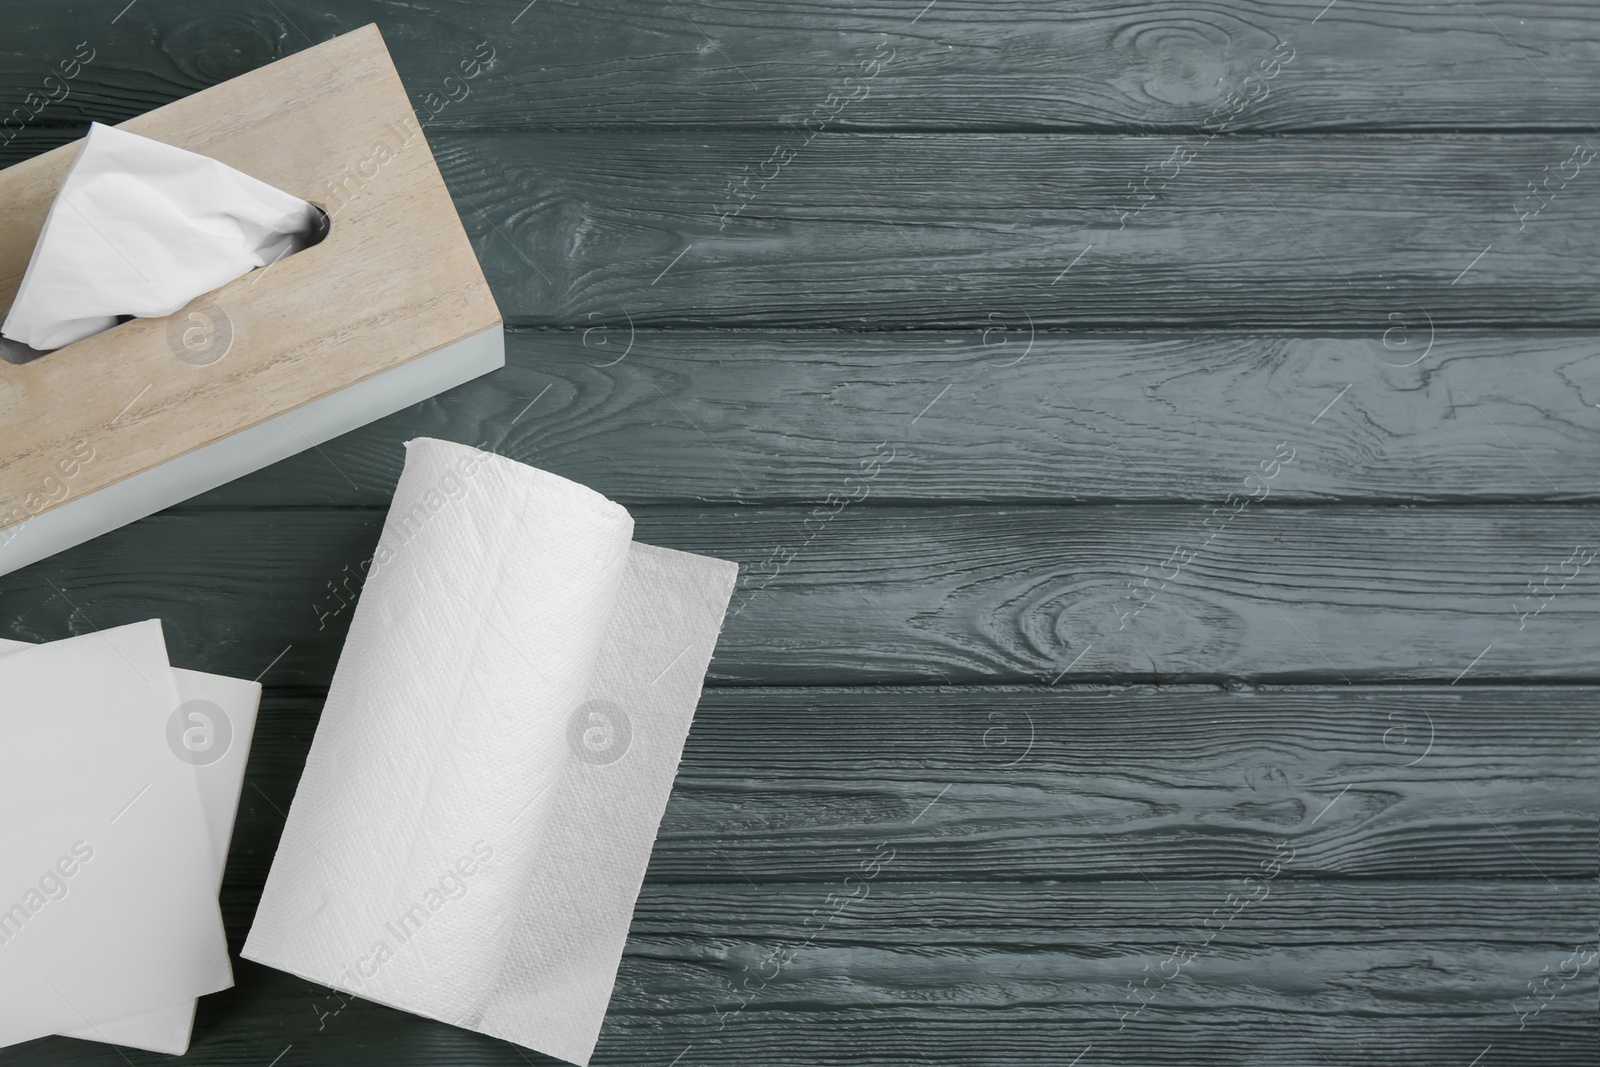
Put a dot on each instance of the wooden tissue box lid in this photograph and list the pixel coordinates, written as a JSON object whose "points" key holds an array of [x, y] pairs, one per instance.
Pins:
{"points": [[395, 279]]}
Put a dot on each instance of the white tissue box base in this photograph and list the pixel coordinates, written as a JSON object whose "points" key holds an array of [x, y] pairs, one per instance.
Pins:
{"points": [[76, 521]]}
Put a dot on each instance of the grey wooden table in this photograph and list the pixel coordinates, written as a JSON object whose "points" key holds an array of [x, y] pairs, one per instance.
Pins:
{"points": [[1198, 664]]}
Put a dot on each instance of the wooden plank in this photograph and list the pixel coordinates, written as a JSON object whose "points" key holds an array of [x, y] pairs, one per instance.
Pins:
{"points": [[957, 594], [970, 231], [952, 961], [1012, 974], [757, 417], [964, 231], [796, 785], [1499, 64]]}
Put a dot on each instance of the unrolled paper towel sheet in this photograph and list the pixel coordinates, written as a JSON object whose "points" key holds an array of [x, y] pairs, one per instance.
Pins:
{"points": [[497, 748]]}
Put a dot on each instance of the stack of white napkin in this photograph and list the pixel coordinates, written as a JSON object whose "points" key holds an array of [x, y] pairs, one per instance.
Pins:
{"points": [[119, 781]]}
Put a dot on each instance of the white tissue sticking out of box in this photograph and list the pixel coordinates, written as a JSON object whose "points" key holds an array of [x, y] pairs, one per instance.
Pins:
{"points": [[141, 228]]}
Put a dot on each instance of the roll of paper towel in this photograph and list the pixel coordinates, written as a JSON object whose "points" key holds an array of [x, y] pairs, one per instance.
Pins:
{"points": [[497, 748]]}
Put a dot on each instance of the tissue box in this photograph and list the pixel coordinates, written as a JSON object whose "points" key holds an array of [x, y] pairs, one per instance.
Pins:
{"points": [[390, 308]]}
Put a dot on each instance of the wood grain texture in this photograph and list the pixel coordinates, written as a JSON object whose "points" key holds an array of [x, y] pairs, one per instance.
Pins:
{"points": [[999, 415], [945, 231], [905, 279], [971, 231], [948, 594], [1086, 784], [1004, 973], [967, 65]]}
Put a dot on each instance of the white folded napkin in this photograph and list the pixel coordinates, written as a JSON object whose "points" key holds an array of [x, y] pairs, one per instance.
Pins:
{"points": [[141, 228], [108, 870], [221, 712], [497, 749]]}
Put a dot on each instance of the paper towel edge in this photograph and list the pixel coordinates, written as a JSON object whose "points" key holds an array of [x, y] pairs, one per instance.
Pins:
{"points": [[718, 594], [576, 490]]}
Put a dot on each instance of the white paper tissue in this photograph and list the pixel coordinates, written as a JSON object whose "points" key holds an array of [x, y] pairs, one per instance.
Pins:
{"points": [[108, 902], [497, 748], [141, 228], [221, 779]]}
